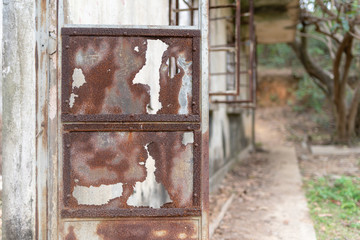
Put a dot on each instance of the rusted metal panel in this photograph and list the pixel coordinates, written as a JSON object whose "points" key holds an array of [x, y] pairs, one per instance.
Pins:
{"points": [[122, 164], [121, 74], [134, 229], [114, 170]]}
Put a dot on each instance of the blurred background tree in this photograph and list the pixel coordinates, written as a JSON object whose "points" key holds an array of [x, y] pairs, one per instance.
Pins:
{"points": [[327, 45]]}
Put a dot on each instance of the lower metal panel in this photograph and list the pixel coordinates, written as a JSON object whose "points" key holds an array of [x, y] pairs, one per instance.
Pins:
{"points": [[133, 229]]}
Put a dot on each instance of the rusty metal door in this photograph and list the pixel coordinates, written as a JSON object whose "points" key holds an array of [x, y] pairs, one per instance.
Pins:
{"points": [[132, 163]]}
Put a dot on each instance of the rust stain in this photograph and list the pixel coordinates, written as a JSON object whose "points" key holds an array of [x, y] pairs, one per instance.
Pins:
{"points": [[43, 12], [103, 155], [110, 65], [148, 230], [97, 158], [71, 234]]}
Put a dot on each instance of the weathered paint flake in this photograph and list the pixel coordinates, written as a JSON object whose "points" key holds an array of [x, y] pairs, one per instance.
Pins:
{"points": [[149, 193], [78, 79], [149, 74], [186, 86], [103, 193]]}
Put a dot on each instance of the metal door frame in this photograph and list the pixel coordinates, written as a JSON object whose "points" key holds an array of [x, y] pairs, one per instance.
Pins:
{"points": [[49, 155]]}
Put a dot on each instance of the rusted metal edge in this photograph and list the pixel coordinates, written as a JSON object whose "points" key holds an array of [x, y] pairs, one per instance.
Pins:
{"points": [[131, 127], [134, 212], [141, 32], [130, 118]]}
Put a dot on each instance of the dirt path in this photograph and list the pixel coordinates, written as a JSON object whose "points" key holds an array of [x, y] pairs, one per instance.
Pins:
{"points": [[269, 202]]}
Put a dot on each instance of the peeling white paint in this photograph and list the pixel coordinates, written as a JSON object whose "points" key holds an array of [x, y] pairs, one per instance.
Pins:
{"points": [[136, 49], [188, 138], [150, 74], [52, 102], [149, 192], [72, 99], [97, 195], [78, 78], [186, 86]]}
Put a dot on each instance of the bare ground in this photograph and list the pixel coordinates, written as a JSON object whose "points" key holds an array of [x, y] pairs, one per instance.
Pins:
{"points": [[260, 211], [251, 180]]}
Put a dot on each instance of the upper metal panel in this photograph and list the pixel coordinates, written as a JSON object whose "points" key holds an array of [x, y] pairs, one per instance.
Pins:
{"points": [[124, 74]]}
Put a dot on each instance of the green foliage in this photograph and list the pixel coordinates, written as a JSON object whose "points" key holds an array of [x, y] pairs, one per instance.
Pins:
{"points": [[309, 96], [344, 192], [335, 207], [276, 55]]}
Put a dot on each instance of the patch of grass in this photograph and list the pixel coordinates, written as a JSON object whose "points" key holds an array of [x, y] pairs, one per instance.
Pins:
{"points": [[335, 207]]}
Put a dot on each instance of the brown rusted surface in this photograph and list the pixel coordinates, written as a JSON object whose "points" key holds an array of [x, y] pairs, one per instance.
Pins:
{"points": [[148, 230], [136, 229], [108, 60], [96, 155], [71, 234]]}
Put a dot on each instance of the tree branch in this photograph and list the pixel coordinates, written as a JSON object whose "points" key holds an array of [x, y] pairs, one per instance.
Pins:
{"points": [[324, 8], [300, 47], [336, 67], [354, 106]]}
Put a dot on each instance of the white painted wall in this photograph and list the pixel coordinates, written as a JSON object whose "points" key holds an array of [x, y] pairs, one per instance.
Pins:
{"points": [[118, 12]]}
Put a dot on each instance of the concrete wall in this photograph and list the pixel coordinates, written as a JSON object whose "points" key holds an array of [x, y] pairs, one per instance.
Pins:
{"points": [[230, 127], [19, 120]]}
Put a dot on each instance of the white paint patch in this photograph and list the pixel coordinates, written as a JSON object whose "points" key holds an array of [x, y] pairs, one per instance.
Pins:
{"points": [[186, 87], [97, 195], [136, 49], [149, 193], [78, 78], [52, 102], [188, 138], [72, 99], [150, 74]]}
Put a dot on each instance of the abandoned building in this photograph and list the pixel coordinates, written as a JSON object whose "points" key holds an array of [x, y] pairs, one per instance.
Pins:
{"points": [[120, 115]]}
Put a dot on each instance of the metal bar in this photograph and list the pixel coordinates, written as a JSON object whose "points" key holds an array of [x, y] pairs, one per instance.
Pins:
{"points": [[111, 213], [223, 93], [211, 7], [238, 43], [96, 31], [252, 45], [176, 12], [223, 45], [222, 18], [204, 187], [220, 49], [232, 101], [221, 74], [192, 13], [170, 12]]}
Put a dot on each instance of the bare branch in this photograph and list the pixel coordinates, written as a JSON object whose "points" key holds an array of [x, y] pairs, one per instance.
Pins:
{"points": [[301, 49], [324, 8]]}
